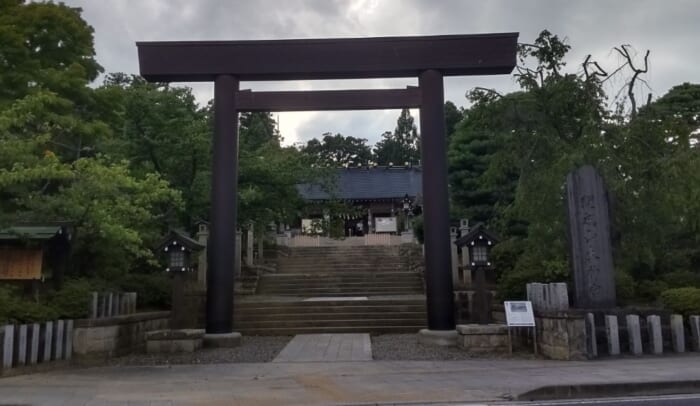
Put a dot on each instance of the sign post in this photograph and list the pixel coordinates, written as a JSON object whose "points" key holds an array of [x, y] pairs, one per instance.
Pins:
{"points": [[520, 314]]}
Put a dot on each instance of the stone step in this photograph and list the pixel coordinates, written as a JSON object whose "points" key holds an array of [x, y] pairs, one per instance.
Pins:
{"points": [[321, 266], [415, 288], [342, 274], [348, 284], [271, 316], [328, 323], [324, 309], [330, 293], [276, 331]]}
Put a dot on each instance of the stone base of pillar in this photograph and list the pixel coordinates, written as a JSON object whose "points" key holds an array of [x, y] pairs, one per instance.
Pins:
{"points": [[226, 340], [441, 338]]}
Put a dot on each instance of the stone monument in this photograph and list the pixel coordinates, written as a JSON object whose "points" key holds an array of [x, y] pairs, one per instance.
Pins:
{"points": [[589, 239]]}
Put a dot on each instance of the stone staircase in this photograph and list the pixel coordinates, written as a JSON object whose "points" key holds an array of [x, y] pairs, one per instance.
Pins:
{"points": [[352, 289]]}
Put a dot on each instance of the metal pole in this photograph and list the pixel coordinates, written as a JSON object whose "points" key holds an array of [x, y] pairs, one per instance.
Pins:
{"points": [[438, 275], [224, 208]]}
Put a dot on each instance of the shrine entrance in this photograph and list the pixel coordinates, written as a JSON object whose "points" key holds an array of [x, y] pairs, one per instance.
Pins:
{"points": [[226, 63]]}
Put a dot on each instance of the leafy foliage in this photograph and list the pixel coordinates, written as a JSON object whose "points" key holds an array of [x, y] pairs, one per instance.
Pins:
{"points": [[685, 301], [401, 146], [510, 154], [338, 151]]}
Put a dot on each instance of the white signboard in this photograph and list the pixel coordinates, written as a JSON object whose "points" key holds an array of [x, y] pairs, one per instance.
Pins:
{"points": [[385, 224], [519, 314]]}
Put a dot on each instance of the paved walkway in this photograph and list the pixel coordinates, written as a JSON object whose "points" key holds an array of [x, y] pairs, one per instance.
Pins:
{"points": [[327, 348], [338, 383]]}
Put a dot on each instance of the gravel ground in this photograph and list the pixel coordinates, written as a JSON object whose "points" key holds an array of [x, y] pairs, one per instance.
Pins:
{"points": [[405, 347], [252, 349]]}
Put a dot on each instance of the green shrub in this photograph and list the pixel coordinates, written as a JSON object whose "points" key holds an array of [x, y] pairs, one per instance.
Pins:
{"points": [[649, 291], [16, 309], [154, 289], [682, 279], [624, 287], [685, 301], [73, 300], [418, 230]]}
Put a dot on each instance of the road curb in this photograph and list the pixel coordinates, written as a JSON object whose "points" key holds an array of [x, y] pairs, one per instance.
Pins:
{"points": [[611, 390]]}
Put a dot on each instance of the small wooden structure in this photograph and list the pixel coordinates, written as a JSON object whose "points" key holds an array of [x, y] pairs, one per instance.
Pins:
{"points": [[27, 251], [178, 248], [479, 242]]}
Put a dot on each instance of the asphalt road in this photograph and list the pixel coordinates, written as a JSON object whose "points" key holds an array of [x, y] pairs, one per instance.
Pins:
{"points": [[677, 400]]}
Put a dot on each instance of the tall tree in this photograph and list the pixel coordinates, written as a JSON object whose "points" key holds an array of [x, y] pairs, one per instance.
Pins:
{"points": [[402, 146]]}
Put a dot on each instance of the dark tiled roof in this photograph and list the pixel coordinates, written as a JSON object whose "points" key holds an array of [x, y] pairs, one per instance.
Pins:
{"points": [[366, 184], [183, 239], [474, 233], [42, 232]]}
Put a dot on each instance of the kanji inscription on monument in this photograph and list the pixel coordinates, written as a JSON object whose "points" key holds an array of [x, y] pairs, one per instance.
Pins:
{"points": [[589, 239]]}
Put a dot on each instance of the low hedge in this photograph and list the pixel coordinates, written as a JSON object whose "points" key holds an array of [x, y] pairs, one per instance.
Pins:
{"points": [[685, 301]]}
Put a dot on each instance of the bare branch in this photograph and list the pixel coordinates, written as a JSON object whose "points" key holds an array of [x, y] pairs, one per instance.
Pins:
{"points": [[623, 50]]}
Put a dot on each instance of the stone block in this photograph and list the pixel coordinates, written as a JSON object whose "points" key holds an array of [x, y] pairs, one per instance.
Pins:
{"points": [[171, 341], [47, 334], [8, 346], [656, 341], [677, 333], [94, 305], [21, 345], [613, 335], [108, 310], [695, 332], [589, 232], [634, 334], [591, 342], [558, 297], [229, 340], [68, 340], [34, 339], [58, 340], [483, 338], [442, 338]]}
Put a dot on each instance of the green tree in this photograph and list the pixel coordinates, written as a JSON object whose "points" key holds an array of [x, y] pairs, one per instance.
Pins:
{"points": [[453, 116], [338, 150], [160, 129], [401, 146], [45, 46]]}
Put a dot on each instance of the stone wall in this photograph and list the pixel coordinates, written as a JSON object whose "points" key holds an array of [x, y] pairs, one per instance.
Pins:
{"points": [[561, 335], [114, 336]]}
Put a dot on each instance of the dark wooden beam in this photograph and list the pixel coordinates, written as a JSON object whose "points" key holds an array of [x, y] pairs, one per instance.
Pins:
{"points": [[372, 99], [193, 61]]}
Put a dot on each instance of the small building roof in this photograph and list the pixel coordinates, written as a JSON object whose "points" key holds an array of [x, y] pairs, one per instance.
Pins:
{"points": [[364, 183], [183, 239], [474, 233], [32, 233]]}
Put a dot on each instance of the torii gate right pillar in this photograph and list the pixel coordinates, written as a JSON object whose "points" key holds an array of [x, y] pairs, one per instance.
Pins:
{"points": [[436, 220]]}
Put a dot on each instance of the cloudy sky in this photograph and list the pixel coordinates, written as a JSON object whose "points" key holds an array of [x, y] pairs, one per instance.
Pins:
{"points": [[669, 28]]}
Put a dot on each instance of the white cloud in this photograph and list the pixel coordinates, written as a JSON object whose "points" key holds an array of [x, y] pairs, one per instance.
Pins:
{"points": [[669, 29]]}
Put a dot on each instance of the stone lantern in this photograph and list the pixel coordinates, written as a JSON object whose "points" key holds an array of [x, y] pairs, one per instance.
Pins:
{"points": [[179, 249], [479, 242]]}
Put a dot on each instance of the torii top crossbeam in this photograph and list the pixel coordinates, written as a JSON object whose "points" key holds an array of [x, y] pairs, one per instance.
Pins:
{"points": [[347, 58]]}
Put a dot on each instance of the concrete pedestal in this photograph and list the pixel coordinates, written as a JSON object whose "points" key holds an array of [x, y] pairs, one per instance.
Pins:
{"points": [[483, 338], [442, 338], [171, 341], [228, 340]]}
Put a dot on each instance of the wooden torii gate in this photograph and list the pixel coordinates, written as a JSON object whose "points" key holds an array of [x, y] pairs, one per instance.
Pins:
{"points": [[226, 63]]}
